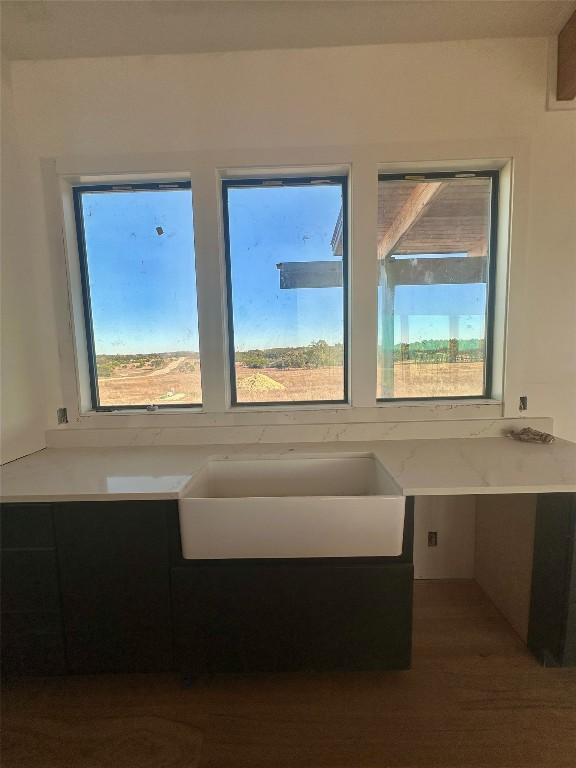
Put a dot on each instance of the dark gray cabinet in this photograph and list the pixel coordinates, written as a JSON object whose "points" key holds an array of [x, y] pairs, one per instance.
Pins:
{"points": [[280, 617], [231, 618], [283, 615], [30, 581], [102, 586], [552, 626], [32, 633], [33, 644], [114, 578], [27, 526]]}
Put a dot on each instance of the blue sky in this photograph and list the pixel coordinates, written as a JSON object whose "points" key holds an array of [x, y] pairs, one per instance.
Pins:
{"points": [[272, 225], [143, 286], [427, 306]]}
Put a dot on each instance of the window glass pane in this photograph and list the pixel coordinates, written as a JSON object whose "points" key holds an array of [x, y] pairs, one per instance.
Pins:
{"points": [[142, 283], [286, 251], [433, 252]]}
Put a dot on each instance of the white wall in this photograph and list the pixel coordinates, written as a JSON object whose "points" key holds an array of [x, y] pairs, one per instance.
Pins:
{"points": [[504, 551], [403, 95], [453, 519], [550, 309], [21, 366]]}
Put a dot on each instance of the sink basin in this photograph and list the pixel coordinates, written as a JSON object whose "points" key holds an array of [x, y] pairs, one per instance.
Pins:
{"points": [[338, 506]]}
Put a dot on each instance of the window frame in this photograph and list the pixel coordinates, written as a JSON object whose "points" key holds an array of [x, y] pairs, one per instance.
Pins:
{"points": [[206, 169], [77, 191], [494, 176], [273, 181]]}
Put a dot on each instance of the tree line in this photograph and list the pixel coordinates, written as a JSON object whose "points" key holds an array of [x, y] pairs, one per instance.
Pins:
{"points": [[317, 354]]}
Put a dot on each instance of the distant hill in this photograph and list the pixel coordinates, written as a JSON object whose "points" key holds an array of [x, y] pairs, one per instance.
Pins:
{"points": [[108, 365], [317, 354]]}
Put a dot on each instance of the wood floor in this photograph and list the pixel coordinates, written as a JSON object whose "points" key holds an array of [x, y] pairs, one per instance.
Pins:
{"points": [[474, 699]]}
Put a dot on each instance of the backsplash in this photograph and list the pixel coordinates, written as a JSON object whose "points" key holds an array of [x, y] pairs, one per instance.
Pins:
{"points": [[70, 437]]}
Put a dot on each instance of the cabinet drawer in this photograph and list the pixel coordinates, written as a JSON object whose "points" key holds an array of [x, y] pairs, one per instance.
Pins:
{"points": [[26, 525], [29, 582]]}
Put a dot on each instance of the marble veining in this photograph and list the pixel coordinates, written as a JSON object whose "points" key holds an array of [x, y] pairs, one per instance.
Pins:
{"points": [[285, 432], [418, 467]]}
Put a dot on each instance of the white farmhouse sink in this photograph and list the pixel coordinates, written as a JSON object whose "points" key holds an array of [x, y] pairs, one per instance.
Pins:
{"points": [[338, 506]]}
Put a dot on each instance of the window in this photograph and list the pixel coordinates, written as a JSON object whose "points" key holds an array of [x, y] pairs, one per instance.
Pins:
{"points": [[286, 253], [436, 248], [279, 311], [138, 277]]}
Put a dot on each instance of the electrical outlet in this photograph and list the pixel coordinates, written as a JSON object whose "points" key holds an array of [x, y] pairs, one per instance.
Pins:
{"points": [[523, 404], [432, 538]]}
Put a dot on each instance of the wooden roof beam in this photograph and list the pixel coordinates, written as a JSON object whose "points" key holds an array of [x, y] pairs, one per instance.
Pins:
{"points": [[456, 270], [566, 78], [420, 197], [414, 271]]}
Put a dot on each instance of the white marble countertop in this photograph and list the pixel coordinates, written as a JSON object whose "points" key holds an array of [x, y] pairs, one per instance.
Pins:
{"points": [[419, 467]]}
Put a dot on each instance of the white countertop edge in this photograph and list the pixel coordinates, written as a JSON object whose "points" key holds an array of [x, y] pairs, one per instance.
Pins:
{"points": [[42, 498], [489, 490], [175, 496], [459, 466]]}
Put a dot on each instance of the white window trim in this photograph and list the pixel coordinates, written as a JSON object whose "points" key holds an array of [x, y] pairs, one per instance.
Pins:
{"points": [[205, 170]]}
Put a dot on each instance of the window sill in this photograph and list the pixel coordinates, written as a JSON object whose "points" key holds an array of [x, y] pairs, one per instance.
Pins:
{"points": [[432, 401], [358, 425], [303, 415], [193, 412]]}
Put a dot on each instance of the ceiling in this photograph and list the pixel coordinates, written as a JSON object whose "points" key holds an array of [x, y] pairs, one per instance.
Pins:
{"points": [[456, 220], [50, 29]]}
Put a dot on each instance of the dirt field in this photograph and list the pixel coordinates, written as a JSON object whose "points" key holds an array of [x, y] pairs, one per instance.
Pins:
{"points": [[437, 379], [176, 384], [172, 384]]}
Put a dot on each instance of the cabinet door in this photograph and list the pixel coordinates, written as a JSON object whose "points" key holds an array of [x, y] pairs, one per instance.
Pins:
{"points": [[29, 581], [247, 618], [354, 617], [114, 577], [552, 625], [27, 526], [32, 642], [232, 618]]}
